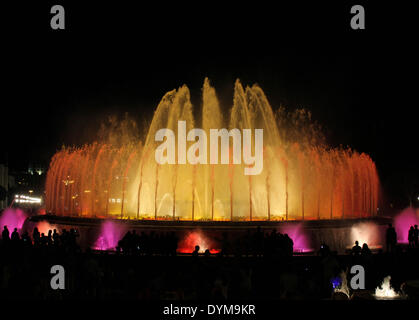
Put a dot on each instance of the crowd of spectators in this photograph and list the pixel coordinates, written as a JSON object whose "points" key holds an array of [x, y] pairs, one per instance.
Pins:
{"points": [[67, 239], [256, 243], [146, 266], [164, 243]]}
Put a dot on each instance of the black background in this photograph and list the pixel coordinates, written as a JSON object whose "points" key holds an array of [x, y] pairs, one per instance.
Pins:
{"points": [[117, 57]]}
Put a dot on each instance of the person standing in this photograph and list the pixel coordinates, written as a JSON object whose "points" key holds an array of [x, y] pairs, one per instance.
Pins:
{"points": [[411, 237], [391, 238], [5, 234]]}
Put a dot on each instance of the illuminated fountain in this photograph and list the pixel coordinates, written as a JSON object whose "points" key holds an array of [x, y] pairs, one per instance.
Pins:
{"points": [[197, 238], [12, 218], [109, 236], [340, 285], [300, 180], [300, 240], [385, 291], [403, 221]]}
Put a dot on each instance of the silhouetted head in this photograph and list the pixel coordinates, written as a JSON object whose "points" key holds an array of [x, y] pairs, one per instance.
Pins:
{"points": [[416, 226], [196, 248], [15, 230], [5, 227], [364, 246], [390, 225], [356, 243]]}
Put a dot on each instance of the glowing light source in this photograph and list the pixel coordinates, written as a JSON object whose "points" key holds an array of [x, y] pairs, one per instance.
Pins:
{"points": [[26, 199], [196, 238], [67, 182], [365, 232], [385, 290], [44, 227]]}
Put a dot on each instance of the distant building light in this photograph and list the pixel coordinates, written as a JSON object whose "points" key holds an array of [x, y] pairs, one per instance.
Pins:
{"points": [[19, 198], [30, 191]]}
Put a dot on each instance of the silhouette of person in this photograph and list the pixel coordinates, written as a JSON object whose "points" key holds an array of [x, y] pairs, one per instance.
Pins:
{"points": [[289, 245], [324, 250], [365, 251], [356, 249], [26, 239], [49, 237], [5, 235], [15, 235], [36, 236], [416, 236], [196, 251], [55, 237], [43, 239], [391, 238], [411, 237]]}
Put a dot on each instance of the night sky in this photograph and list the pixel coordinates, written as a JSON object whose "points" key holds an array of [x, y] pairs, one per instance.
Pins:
{"points": [[359, 85]]}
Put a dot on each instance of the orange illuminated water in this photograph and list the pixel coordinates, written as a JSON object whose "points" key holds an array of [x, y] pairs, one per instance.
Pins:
{"points": [[299, 181]]}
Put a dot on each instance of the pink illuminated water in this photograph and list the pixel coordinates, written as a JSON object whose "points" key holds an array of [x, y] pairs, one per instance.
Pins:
{"points": [[300, 239], [402, 222], [12, 218], [109, 236]]}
